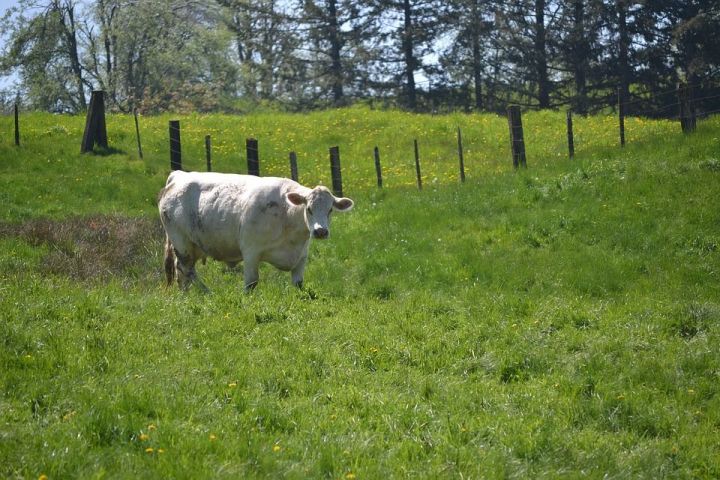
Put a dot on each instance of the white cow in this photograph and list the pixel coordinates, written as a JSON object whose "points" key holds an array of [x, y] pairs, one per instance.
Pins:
{"points": [[241, 217]]}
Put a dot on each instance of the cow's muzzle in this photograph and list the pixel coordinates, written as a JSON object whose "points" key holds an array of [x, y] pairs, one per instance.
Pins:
{"points": [[321, 233]]}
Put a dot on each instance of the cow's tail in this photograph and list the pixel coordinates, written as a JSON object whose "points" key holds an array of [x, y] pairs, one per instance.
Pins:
{"points": [[169, 261]]}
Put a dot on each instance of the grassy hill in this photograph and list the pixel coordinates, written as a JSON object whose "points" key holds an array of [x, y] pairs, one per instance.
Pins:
{"points": [[559, 321]]}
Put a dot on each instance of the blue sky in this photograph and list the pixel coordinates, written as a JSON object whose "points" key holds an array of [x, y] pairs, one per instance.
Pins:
{"points": [[4, 4]]}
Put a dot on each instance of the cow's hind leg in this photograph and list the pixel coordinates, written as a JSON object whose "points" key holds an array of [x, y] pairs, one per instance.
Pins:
{"points": [[185, 267], [170, 269]]}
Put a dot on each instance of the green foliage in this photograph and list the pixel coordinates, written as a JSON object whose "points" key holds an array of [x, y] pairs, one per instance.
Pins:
{"points": [[559, 321]]}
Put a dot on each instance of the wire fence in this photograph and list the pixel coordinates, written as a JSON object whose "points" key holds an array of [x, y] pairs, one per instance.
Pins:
{"points": [[458, 146]]}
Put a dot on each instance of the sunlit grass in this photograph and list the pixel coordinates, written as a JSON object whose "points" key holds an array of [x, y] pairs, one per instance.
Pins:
{"points": [[555, 322]]}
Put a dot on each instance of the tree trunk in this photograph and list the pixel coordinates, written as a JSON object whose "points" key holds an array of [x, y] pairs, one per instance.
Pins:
{"points": [[543, 81], [335, 46], [109, 42], [476, 58], [267, 52], [67, 17], [582, 51], [410, 62], [623, 47]]}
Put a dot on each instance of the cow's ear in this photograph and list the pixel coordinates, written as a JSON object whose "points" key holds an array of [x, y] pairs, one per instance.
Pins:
{"points": [[295, 198], [343, 204]]}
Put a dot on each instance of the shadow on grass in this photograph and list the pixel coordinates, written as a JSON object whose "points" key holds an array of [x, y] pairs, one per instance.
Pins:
{"points": [[105, 152]]}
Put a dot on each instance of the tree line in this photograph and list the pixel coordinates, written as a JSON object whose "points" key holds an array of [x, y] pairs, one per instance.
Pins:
{"points": [[423, 55]]}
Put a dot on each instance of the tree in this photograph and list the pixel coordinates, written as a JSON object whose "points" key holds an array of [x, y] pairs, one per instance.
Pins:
{"points": [[266, 43], [529, 37], [689, 29], [161, 54], [44, 48], [466, 56], [406, 36], [336, 36], [581, 24]]}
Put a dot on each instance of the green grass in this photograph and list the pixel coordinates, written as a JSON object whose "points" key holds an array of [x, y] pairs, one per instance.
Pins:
{"points": [[555, 322]]}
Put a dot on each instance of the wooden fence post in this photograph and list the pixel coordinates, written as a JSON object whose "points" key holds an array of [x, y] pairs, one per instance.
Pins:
{"points": [[417, 166], [335, 171], [460, 156], [175, 148], [571, 141], [208, 153], [137, 133], [95, 130], [517, 140], [378, 168], [253, 157], [688, 119], [17, 126], [293, 166], [621, 115]]}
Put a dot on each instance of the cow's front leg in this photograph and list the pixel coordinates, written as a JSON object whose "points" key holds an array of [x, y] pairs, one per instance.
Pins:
{"points": [[250, 272], [298, 272]]}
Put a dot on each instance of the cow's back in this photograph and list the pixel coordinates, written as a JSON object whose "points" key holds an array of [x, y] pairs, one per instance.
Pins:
{"points": [[224, 214]]}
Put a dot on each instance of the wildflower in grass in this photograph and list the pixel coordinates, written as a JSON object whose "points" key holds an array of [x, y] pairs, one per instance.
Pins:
{"points": [[149, 450], [349, 476], [152, 427], [161, 450], [232, 384], [276, 448], [43, 477], [144, 437], [212, 437]]}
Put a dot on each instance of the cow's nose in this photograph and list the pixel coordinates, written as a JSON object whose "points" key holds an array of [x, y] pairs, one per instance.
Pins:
{"points": [[321, 232]]}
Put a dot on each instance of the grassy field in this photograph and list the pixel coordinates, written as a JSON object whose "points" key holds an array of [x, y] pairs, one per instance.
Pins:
{"points": [[557, 322]]}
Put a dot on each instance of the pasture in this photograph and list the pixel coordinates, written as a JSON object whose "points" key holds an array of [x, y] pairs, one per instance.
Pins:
{"points": [[561, 321]]}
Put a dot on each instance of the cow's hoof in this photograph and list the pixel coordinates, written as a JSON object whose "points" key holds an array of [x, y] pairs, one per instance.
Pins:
{"points": [[250, 287], [309, 294]]}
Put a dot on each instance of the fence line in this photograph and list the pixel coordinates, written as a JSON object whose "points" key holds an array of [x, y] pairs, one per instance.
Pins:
{"points": [[689, 108]]}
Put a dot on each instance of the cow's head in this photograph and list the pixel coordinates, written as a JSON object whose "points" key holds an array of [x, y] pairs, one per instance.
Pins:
{"points": [[319, 204]]}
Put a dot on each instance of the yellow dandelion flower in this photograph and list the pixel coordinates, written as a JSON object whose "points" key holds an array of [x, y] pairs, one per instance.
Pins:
{"points": [[152, 427], [276, 448], [350, 476], [212, 437], [43, 477], [144, 437], [149, 450], [161, 450], [232, 384]]}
